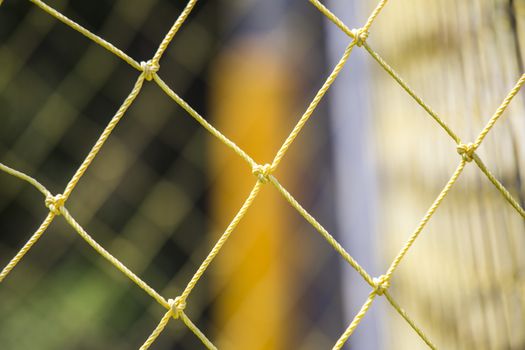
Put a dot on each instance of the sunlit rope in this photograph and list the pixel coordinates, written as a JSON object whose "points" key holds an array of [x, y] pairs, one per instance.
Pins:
{"points": [[263, 174]]}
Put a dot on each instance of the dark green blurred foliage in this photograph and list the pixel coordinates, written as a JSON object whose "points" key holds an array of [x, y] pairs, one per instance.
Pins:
{"points": [[143, 198]]}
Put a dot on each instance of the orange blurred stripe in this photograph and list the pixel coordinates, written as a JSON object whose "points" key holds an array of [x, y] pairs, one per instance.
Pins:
{"points": [[250, 101]]}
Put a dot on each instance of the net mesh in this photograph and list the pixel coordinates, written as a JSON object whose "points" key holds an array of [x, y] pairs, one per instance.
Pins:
{"points": [[175, 307]]}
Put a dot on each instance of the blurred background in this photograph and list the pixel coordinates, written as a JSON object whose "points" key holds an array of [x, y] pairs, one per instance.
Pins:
{"points": [[367, 166]]}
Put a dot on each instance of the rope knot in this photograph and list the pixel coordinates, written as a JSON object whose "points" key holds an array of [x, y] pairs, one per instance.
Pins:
{"points": [[381, 284], [262, 172], [177, 306], [149, 68], [360, 36], [466, 151], [54, 203]]}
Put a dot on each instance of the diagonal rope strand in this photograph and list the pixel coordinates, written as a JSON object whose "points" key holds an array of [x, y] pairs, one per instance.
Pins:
{"points": [[95, 38], [374, 15], [23, 251], [355, 322], [156, 332], [500, 111], [114, 261], [313, 105], [411, 92], [412, 324], [26, 178], [41, 229], [173, 30], [332, 17], [224, 237], [193, 113], [326, 235], [104, 136], [429, 110], [202, 337], [338, 248], [425, 219], [499, 186]]}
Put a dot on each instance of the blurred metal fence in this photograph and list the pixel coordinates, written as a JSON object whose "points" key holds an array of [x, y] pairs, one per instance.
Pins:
{"points": [[175, 307]]}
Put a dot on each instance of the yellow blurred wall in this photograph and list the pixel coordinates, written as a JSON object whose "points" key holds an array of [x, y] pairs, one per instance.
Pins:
{"points": [[463, 279]]}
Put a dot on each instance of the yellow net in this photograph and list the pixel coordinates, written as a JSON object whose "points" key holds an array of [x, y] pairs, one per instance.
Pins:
{"points": [[149, 71]]}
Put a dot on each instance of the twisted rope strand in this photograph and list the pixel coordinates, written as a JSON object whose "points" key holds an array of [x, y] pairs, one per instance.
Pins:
{"points": [[467, 151], [224, 237], [355, 322], [197, 332], [193, 113], [95, 38], [335, 244], [500, 111], [149, 70], [313, 105], [426, 218], [411, 92], [22, 252], [41, 229], [332, 17], [374, 15], [506, 194], [114, 261], [326, 235], [173, 30], [412, 324], [156, 332], [18, 174], [104, 136], [404, 85]]}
